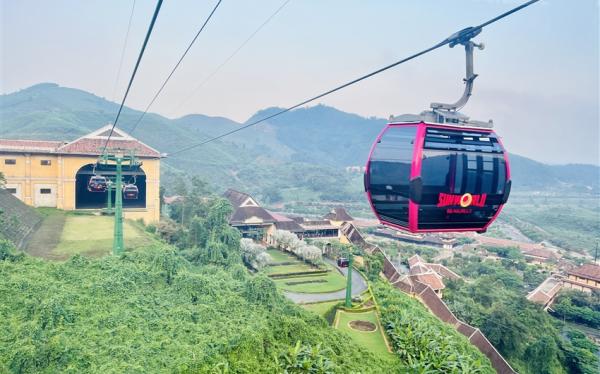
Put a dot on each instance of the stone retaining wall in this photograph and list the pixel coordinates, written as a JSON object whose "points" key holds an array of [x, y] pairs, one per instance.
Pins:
{"points": [[17, 220]]}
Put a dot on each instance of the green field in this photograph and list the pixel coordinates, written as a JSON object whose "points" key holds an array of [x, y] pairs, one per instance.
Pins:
{"points": [[289, 269], [306, 283], [93, 236], [321, 308], [333, 281], [371, 340], [280, 256]]}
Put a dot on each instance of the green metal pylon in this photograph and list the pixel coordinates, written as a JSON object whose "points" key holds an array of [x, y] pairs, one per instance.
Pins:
{"points": [[349, 281], [118, 158], [118, 246], [109, 205]]}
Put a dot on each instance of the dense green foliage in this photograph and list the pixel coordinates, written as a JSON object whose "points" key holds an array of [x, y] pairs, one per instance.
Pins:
{"points": [[581, 355], [421, 341], [152, 311], [494, 301], [577, 306]]}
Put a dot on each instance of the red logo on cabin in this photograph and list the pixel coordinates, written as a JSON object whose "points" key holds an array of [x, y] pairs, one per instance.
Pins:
{"points": [[463, 201]]}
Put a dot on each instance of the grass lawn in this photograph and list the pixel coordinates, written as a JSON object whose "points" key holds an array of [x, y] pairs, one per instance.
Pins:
{"points": [[320, 308], [371, 340], [287, 269], [280, 256], [334, 281], [93, 236]]}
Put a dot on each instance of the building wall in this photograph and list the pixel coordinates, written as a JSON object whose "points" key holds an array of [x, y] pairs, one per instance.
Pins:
{"points": [[28, 175], [582, 284]]}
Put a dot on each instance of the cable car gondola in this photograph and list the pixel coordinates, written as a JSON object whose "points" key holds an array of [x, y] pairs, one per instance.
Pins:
{"points": [[343, 262], [438, 171], [97, 183], [431, 177], [130, 192]]}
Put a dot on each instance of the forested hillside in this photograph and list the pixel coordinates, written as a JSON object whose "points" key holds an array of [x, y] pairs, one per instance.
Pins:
{"points": [[152, 311]]}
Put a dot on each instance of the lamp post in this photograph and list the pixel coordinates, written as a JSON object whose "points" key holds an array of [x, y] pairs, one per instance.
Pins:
{"points": [[349, 280]]}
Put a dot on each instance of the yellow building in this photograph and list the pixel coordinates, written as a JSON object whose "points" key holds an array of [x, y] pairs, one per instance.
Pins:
{"points": [[584, 278], [56, 174]]}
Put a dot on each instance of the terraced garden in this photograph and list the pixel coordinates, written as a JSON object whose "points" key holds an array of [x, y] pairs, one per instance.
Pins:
{"points": [[292, 274]]}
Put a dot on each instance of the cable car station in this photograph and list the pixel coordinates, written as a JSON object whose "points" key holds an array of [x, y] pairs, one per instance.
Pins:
{"points": [[68, 176]]}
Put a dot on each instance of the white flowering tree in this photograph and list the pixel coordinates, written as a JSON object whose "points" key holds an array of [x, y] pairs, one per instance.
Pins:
{"points": [[285, 239], [254, 254], [290, 242]]}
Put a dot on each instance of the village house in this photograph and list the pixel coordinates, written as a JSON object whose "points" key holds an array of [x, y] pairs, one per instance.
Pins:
{"points": [[546, 292], [44, 173], [430, 274], [583, 278], [539, 256], [254, 221]]}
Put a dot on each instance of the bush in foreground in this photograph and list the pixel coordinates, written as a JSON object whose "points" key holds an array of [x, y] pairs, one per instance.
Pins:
{"points": [[152, 311]]}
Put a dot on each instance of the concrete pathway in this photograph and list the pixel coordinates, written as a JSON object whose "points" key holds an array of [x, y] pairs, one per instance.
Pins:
{"points": [[358, 286]]}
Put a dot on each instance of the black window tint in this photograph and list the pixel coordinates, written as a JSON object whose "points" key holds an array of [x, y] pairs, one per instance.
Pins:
{"points": [[12, 190], [10, 161], [389, 173], [436, 172], [457, 173], [461, 140], [45, 191]]}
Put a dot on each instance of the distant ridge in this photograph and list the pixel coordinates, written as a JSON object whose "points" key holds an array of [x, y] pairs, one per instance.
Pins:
{"points": [[321, 136]]}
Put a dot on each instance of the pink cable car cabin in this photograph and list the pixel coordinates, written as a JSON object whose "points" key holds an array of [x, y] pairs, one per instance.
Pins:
{"points": [[427, 177]]}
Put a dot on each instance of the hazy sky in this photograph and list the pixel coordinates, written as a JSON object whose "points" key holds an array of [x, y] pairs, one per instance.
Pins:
{"points": [[538, 75]]}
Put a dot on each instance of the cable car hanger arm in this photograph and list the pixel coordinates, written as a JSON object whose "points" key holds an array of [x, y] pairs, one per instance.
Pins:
{"points": [[470, 76]]}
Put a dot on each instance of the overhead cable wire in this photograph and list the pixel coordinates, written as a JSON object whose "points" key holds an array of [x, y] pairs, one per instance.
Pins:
{"points": [[455, 38], [175, 67], [231, 56], [123, 51], [137, 65]]}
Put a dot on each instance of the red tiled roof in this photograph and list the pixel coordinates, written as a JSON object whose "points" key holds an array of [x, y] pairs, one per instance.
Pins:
{"points": [[85, 146], [338, 214], [419, 268], [443, 271], [589, 271], [430, 279], [244, 213], [33, 146], [285, 223], [290, 225], [90, 144], [236, 198], [540, 252], [415, 260]]}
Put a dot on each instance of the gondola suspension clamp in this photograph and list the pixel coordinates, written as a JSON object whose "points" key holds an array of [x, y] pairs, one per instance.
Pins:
{"points": [[449, 113]]}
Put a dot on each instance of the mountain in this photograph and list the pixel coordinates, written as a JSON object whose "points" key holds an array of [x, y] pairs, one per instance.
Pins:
{"points": [[306, 149]]}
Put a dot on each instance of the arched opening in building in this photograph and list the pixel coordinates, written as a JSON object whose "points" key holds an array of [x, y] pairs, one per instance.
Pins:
{"points": [[85, 199]]}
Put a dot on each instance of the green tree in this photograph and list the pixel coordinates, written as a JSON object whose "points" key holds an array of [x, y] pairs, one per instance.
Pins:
{"points": [[541, 355], [307, 359], [504, 329]]}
